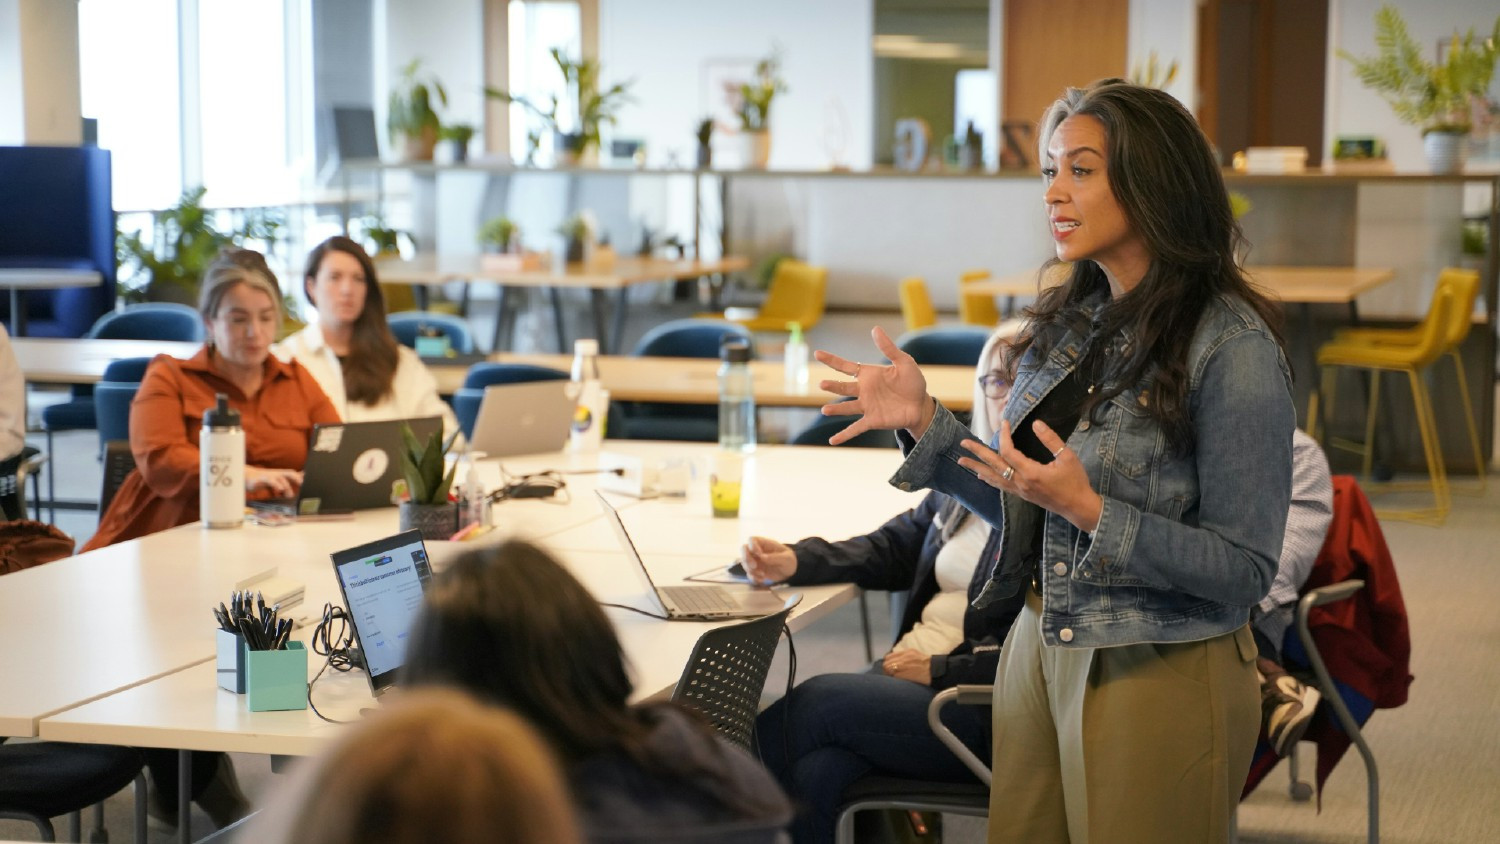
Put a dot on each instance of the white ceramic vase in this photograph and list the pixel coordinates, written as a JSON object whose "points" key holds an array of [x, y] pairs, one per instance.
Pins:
{"points": [[756, 152], [1446, 151]]}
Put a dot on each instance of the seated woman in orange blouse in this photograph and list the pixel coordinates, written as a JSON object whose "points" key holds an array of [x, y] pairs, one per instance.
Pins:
{"points": [[279, 403]]}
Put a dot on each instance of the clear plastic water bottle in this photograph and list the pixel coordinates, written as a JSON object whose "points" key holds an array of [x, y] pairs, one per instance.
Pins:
{"points": [[736, 397], [586, 391]]}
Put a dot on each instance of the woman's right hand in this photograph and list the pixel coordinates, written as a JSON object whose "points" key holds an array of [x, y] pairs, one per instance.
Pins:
{"points": [[884, 397], [767, 561], [281, 483]]}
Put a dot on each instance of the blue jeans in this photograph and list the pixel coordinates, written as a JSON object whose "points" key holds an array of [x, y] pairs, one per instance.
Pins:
{"points": [[836, 728]]}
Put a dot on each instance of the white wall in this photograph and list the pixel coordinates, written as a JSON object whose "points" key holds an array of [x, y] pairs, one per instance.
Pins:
{"points": [[1353, 109], [39, 72], [1170, 27], [446, 35], [663, 44]]}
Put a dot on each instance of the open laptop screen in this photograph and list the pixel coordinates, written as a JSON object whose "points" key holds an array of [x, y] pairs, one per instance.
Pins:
{"points": [[383, 583]]}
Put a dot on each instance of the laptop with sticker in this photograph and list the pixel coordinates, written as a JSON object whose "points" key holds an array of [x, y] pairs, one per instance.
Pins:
{"points": [[351, 466]]}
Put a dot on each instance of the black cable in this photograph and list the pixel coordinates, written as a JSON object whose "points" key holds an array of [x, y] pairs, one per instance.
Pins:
{"points": [[791, 679], [638, 610], [335, 647]]}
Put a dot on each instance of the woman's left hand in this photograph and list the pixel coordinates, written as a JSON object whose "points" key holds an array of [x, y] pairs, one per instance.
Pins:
{"points": [[1061, 486], [909, 665]]}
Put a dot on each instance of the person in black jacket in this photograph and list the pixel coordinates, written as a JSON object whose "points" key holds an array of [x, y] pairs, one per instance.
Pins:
{"points": [[835, 728]]}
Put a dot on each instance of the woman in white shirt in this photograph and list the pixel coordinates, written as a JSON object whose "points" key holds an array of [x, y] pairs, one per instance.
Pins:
{"points": [[350, 350]]}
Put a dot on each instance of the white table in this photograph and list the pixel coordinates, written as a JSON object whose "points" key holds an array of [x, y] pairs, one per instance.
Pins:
{"points": [[40, 279]]}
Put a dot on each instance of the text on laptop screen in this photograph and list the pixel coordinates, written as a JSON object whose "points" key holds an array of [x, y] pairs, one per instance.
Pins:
{"points": [[384, 592]]}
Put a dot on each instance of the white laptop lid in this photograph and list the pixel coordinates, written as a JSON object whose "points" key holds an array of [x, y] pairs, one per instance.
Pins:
{"points": [[532, 417], [612, 516]]}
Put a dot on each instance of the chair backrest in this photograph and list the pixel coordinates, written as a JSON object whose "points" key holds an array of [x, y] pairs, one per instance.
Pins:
{"points": [[470, 396], [826, 426], [798, 293], [119, 461], [916, 304], [976, 308], [150, 321], [406, 325], [113, 395], [1465, 287], [945, 345], [1435, 328], [726, 673], [690, 338]]}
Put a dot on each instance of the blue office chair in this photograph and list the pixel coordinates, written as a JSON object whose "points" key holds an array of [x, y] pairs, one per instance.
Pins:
{"points": [[945, 345], [44, 779], [683, 338], [113, 395], [406, 325], [468, 398], [146, 321]]}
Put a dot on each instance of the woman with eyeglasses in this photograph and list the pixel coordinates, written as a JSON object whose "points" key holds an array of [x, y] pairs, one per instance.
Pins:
{"points": [[836, 728]]}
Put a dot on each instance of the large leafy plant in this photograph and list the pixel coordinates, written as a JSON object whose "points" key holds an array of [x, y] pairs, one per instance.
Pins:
{"points": [[185, 240], [1433, 95], [411, 112], [591, 108], [422, 466]]}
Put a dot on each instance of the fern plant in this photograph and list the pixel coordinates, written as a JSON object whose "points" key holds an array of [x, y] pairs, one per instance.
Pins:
{"points": [[1435, 96]]}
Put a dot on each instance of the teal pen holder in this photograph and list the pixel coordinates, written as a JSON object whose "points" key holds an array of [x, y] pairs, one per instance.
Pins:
{"points": [[231, 661], [277, 680]]}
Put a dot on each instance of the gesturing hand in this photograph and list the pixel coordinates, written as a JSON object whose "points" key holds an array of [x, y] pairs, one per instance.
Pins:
{"points": [[884, 397], [1061, 486]]}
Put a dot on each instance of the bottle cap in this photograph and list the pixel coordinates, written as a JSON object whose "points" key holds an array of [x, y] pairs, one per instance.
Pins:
{"points": [[735, 351], [795, 328], [585, 346], [221, 415]]}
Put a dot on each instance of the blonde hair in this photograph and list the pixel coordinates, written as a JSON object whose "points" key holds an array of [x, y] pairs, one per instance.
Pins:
{"points": [[232, 267], [436, 766]]}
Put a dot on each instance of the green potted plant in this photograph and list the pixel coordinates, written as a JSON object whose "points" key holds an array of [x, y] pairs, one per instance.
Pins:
{"points": [[589, 108], [382, 240], [752, 103], [576, 231], [500, 234], [457, 136], [1435, 96], [705, 136], [184, 241], [426, 506], [411, 117]]}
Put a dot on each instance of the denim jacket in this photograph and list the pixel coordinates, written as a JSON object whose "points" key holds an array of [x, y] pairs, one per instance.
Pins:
{"points": [[1186, 543]]}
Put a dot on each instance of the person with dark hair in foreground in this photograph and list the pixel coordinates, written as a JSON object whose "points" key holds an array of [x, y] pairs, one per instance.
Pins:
{"points": [[1144, 475], [511, 626], [433, 766]]}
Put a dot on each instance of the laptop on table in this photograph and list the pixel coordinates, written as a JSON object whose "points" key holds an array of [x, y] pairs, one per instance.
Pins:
{"points": [[533, 417], [694, 603], [383, 583], [351, 466]]}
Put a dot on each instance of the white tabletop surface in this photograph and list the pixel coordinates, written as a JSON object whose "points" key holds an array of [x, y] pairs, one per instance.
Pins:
{"points": [[111, 632]]}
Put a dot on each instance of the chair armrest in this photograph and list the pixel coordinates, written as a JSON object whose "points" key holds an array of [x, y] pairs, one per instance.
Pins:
{"points": [[967, 695], [1329, 594]]}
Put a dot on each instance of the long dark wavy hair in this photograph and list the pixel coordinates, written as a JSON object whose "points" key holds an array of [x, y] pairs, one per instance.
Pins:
{"points": [[511, 626], [1167, 181], [370, 366]]}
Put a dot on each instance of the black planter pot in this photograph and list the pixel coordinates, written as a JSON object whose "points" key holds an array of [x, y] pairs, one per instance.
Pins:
{"points": [[435, 521]]}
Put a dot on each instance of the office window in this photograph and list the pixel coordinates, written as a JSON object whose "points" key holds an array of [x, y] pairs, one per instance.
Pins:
{"points": [[536, 27], [243, 103], [128, 70]]}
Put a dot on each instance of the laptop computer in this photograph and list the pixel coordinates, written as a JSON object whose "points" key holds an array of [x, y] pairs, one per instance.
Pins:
{"points": [[351, 466], [383, 583], [527, 418], [694, 603]]}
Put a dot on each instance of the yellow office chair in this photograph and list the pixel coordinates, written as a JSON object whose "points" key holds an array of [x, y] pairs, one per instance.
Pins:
{"points": [[1465, 284], [798, 293], [1431, 343], [977, 308], [916, 305]]}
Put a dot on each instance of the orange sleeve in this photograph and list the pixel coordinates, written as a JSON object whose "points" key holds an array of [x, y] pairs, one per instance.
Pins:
{"points": [[166, 457]]}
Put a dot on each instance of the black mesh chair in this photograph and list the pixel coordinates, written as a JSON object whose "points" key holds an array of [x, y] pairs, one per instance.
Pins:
{"points": [[42, 780], [959, 798], [119, 462], [14, 471], [727, 672]]}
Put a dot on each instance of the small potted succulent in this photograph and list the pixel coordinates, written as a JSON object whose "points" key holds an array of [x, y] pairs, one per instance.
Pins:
{"points": [[427, 507], [457, 136], [577, 231], [503, 252], [752, 102]]}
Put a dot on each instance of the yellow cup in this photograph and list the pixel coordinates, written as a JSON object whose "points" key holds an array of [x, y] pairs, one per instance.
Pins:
{"points": [[724, 485]]}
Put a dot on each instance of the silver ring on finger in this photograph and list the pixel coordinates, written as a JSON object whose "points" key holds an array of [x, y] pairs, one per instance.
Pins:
{"points": [[856, 370], [1009, 473], [1060, 450]]}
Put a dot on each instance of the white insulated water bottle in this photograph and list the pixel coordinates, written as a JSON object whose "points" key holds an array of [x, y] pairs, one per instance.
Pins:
{"points": [[221, 467]]}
